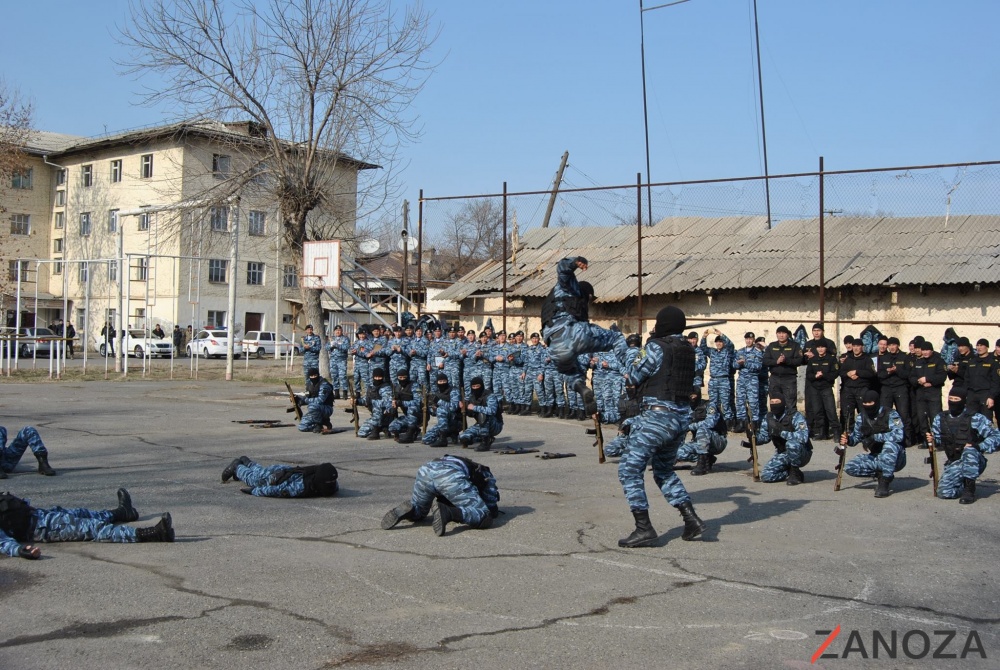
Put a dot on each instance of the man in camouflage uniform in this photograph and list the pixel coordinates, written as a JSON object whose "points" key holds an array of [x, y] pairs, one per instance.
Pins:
{"points": [[397, 346], [608, 383], [477, 364], [417, 351], [534, 356], [486, 409], [443, 404], [10, 454], [720, 366], [362, 367], [748, 361], [787, 428], [663, 375], [282, 481], [502, 355], [319, 400], [552, 387], [22, 525], [405, 399], [700, 362], [709, 433], [880, 432], [311, 346], [378, 399], [338, 345], [964, 436], [453, 490]]}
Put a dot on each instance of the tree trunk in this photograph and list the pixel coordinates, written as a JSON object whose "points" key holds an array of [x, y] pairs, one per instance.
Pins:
{"points": [[313, 308]]}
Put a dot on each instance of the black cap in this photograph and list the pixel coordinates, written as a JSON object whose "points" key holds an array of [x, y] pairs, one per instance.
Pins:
{"points": [[312, 372], [534, 335], [378, 372], [959, 391], [718, 338], [818, 325], [309, 326], [692, 335], [871, 395], [750, 335], [848, 339], [964, 342], [893, 340], [982, 341], [581, 259], [442, 376], [783, 329], [926, 346]]}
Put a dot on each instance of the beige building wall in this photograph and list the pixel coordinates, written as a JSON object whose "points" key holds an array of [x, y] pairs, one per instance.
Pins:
{"points": [[35, 203]]}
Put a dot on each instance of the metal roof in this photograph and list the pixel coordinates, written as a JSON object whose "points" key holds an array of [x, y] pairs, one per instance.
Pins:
{"points": [[684, 254]]}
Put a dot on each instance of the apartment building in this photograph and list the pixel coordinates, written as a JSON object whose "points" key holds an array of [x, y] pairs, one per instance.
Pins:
{"points": [[143, 222]]}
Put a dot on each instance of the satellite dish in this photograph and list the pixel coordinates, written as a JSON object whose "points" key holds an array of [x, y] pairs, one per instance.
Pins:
{"points": [[407, 244], [368, 246]]}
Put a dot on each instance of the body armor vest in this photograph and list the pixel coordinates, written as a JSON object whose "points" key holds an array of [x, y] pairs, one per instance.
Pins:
{"points": [[672, 381], [956, 432]]}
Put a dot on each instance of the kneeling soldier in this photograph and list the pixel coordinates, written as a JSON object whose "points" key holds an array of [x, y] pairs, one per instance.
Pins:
{"points": [[965, 436], [881, 433]]}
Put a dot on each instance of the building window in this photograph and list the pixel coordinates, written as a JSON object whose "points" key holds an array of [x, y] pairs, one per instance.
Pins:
{"points": [[146, 162], [57, 245], [60, 177], [116, 171], [20, 224], [217, 270], [84, 272], [60, 198], [219, 219], [112, 220], [255, 274], [85, 224], [256, 222], [87, 176], [291, 277], [60, 219], [139, 317], [17, 270], [144, 221], [142, 268], [21, 180], [216, 318], [286, 318], [259, 173], [113, 271], [220, 165], [57, 267]]}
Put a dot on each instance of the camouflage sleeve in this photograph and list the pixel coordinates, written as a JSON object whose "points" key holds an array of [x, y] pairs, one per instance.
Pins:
{"points": [[895, 433], [801, 432], [8, 545], [989, 435], [491, 494], [646, 365]]}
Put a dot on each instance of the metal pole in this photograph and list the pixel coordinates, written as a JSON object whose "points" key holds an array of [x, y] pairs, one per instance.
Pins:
{"points": [[234, 242], [420, 251], [406, 247], [279, 278], [763, 132], [505, 256], [638, 241], [822, 253], [645, 113]]}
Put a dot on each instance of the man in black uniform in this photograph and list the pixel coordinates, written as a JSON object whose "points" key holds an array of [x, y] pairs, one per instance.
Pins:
{"points": [[956, 371], [927, 377], [982, 379], [821, 410], [857, 373], [893, 374], [818, 336], [782, 360]]}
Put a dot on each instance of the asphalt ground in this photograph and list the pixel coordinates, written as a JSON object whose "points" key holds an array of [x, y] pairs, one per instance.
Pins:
{"points": [[315, 583]]}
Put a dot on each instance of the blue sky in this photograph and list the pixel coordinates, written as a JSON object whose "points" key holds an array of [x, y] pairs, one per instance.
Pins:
{"points": [[864, 83]]}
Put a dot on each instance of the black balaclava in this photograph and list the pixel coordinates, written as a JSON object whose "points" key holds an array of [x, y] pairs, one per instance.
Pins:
{"points": [[403, 378], [669, 321], [477, 393], [442, 382], [378, 376], [873, 397], [777, 408], [956, 407]]}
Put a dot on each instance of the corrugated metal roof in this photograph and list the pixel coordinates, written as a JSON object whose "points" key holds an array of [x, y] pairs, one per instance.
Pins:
{"points": [[685, 254]]}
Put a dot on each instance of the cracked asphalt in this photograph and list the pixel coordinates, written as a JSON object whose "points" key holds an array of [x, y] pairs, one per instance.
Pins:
{"points": [[314, 583]]}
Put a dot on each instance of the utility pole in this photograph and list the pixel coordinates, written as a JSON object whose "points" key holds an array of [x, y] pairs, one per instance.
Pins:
{"points": [[555, 190]]}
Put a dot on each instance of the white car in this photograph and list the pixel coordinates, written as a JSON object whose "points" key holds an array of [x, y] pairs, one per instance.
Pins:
{"points": [[263, 343], [212, 343], [139, 343]]}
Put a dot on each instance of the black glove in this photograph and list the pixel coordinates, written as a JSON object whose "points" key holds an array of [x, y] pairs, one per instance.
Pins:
{"points": [[24, 552], [247, 490], [746, 444], [289, 410]]}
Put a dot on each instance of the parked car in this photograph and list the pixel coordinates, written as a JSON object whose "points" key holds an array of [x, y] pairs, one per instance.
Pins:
{"points": [[35, 347], [140, 343], [263, 343], [212, 343]]}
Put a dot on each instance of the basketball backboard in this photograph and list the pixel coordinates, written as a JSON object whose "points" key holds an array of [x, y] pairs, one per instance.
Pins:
{"points": [[321, 264]]}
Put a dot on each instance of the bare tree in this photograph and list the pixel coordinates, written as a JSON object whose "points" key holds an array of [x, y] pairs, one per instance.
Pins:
{"points": [[15, 130], [326, 86], [470, 236]]}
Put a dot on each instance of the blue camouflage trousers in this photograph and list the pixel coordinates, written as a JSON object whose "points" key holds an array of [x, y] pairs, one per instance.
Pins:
{"points": [[713, 444], [720, 394], [362, 372], [890, 460], [449, 481], [573, 399], [10, 454], [552, 389], [501, 382], [338, 373], [796, 454], [654, 439], [309, 361], [59, 524], [452, 370], [607, 390], [418, 372], [258, 477], [447, 424], [407, 420], [377, 421], [619, 445], [970, 466], [747, 389], [568, 338], [315, 418], [480, 431]]}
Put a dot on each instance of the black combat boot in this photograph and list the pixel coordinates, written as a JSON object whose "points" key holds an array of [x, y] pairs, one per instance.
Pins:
{"points": [[124, 512], [407, 436], [544, 411], [397, 514], [230, 471], [587, 393], [702, 467], [882, 485], [161, 532], [795, 476], [374, 435], [443, 515], [693, 526], [484, 445], [441, 441], [643, 535], [968, 492], [740, 426], [563, 412], [43, 465], [525, 410]]}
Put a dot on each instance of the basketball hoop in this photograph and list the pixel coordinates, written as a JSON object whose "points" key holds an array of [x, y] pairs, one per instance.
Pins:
{"points": [[321, 264]]}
